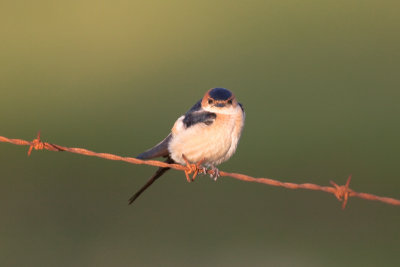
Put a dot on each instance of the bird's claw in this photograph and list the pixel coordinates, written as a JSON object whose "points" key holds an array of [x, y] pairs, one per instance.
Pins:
{"points": [[215, 173], [198, 168]]}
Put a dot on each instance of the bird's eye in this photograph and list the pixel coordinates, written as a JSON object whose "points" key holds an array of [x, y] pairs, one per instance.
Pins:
{"points": [[210, 101], [230, 101]]}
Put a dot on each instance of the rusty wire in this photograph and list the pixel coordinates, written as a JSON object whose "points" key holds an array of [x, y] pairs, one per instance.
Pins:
{"points": [[341, 192]]}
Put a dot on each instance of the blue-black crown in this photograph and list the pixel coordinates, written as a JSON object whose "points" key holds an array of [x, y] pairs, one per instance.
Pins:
{"points": [[220, 94]]}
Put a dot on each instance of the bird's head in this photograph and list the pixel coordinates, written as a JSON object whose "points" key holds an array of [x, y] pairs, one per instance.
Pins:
{"points": [[219, 100]]}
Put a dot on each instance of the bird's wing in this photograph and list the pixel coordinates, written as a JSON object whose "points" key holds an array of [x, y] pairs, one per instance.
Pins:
{"points": [[197, 115], [159, 150]]}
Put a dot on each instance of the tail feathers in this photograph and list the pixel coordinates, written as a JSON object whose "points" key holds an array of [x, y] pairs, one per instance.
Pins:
{"points": [[155, 176]]}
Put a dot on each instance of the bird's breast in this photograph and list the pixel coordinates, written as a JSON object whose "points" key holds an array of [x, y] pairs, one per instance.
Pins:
{"points": [[213, 143]]}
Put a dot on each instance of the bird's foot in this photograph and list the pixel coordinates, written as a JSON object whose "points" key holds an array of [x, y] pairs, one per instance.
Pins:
{"points": [[203, 170], [192, 168], [215, 173]]}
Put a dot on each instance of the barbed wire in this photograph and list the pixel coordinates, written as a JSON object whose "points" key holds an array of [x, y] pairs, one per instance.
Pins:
{"points": [[341, 192]]}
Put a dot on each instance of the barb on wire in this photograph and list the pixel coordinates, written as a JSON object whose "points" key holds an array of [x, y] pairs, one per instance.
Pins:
{"points": [[341, 192]]}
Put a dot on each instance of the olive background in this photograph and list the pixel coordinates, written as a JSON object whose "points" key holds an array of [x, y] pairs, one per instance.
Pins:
{"points": [[319, 81]]}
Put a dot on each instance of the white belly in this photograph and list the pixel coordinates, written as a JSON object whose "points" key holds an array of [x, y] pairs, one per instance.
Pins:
{"points": [[214, 143]]}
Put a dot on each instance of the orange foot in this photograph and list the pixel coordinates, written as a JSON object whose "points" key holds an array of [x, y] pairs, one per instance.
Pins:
{"points": [[192, 168]]}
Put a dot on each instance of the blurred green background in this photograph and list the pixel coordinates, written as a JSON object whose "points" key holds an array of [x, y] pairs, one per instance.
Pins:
{"points": [[319, 81]]}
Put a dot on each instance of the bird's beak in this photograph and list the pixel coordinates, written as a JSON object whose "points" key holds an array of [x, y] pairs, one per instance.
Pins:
{"points": [[220, 105]]}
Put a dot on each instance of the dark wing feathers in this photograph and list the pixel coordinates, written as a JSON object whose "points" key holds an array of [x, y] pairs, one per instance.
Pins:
{"points": [[199, 117], [160, 150], [195, 107], [195, 115], [241, 106], [192, 117]]}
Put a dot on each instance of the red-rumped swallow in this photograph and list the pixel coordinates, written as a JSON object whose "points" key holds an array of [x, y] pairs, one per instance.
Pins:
{"points": [[208, 133]]}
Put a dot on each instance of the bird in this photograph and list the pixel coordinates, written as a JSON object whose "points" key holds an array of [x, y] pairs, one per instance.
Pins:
{"points": [[206, 135]]}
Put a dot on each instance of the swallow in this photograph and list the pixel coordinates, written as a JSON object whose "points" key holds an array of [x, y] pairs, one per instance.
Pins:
{"points": [[208, 134]]}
